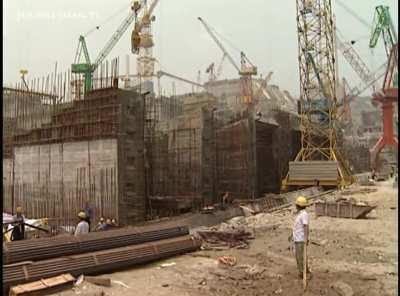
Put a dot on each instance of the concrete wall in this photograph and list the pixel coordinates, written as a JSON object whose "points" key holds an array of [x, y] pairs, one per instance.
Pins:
{"points": [[55, 180]]}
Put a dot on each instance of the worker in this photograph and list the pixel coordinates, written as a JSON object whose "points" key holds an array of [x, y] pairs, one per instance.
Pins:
{"points": [[392, 171], [101, 225], [88, 212], [373, 174], [83, 226], [18, 232], [108, 224], [114, 222], [301, 233]]}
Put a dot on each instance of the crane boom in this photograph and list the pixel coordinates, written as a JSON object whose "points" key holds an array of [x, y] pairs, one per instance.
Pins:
{"points": [[87, 68], [354, 14], [378, 74], [208, 29], [162, 73], [383, 25], [114, 39], [354, 60]]}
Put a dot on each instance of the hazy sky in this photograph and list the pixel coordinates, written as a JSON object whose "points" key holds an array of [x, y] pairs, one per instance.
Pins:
{"points": [[39, 32]]}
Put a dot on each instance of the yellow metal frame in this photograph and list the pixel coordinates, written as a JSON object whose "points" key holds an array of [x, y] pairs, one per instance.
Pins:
{"points": [[318, 84]]}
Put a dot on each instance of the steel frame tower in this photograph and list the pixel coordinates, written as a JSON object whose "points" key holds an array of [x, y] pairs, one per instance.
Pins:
{"points": [[318, 102]]}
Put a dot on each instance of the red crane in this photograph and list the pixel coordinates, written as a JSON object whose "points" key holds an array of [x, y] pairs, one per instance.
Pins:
{"points": [[386, 97]]}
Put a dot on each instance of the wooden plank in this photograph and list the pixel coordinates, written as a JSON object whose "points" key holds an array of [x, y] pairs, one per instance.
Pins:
{"points": [[44, 286]]}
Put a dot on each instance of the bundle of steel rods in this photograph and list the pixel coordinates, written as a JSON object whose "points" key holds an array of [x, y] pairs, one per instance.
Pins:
{"points": [[44, 248], [97, 262]]}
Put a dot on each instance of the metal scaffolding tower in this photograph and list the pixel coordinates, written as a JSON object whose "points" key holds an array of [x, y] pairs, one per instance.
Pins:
{"points": [[318, 162]]}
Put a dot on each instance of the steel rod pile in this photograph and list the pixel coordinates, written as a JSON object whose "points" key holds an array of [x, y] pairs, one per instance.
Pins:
{"points": [[44, 248], [97, 262]]}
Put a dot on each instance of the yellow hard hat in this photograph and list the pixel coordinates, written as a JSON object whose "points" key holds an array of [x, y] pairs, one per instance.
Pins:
{"points": [[19, 210], [301, 201], [82, 215], [101, 219]]}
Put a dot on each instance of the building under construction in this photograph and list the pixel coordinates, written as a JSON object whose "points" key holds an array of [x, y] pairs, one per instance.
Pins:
{"points": [[133, 154], [93, 136]]}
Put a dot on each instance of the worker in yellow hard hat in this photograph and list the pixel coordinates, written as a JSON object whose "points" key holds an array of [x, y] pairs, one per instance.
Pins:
{"points": [[100, 225], [300, 233], [83, 226]]}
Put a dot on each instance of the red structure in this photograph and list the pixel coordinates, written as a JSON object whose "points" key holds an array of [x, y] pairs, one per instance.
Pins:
{"points": [[387, 97]]}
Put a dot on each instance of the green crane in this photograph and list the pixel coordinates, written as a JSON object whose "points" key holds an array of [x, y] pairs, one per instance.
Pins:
{"points": [[383, 26], [85, 67]]}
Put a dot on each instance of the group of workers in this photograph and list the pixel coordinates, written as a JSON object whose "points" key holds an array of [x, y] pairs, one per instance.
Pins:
{"points": [[83, 226], [299, 236]]}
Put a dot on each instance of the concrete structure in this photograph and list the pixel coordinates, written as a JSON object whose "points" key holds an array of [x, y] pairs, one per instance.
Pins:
{"points": [[91, 151]]}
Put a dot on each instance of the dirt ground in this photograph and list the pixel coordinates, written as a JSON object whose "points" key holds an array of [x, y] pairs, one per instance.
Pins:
{"points": [[358, 255]]}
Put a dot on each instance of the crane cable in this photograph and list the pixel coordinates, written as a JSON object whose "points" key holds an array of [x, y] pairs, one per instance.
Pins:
{"points": [[354, 14], [233, 46]]}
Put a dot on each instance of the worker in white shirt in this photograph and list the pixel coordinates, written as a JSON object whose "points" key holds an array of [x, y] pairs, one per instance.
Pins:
{"points": [[301, 233], [83, 226]]}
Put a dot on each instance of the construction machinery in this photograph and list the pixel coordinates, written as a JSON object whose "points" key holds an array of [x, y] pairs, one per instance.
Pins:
{"points": [[383, 27], [246, 69], [388, 95], [224, 51], [24, 72], [163, 73], [86, 67], [143, 43], [319, 161]]}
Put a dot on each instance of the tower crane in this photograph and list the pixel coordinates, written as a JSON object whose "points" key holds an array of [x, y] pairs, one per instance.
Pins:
{"points": [[319, 161], [246, 69], [85, 67], [24, 72], [211, 72], [225, 53], [353, 59], [383, 26], [142, 42], [388, 95]]}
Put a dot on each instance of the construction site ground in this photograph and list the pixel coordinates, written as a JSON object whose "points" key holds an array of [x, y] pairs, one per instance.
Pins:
{"points": [[347, 257]]}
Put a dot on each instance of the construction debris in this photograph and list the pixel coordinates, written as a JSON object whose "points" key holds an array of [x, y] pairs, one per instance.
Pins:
{"points": [[44, 286], [100, 281], [227, 260], [342, 288], [232, 238]]}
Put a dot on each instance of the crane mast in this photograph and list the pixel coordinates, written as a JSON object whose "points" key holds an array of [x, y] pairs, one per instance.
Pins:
{"points": [[318, 112], [142, 42]]}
